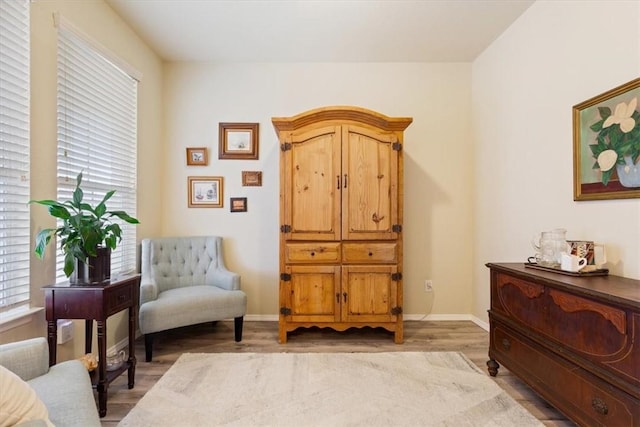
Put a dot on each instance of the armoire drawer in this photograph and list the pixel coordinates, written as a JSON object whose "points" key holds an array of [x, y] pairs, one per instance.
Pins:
{"points": [[582, 396], [313, 252], [365, 252]]}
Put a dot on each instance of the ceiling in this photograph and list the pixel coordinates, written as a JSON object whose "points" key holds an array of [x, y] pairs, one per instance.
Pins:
{"points": [[319, 30]]}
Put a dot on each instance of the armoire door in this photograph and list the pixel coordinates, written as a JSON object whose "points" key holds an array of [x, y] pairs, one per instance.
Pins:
{"points": [[369, 184], [311, 176], [369, 293], [310, 293]]}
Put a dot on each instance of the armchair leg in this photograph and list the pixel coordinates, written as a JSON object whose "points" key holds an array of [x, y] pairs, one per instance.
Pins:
{"points": [[148, 346], [238, 328]]}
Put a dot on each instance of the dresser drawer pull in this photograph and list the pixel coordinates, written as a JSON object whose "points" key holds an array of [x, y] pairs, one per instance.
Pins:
{"points": [[122, 297], [370, 253], [506, 344], [313, 254], [600, 406]]}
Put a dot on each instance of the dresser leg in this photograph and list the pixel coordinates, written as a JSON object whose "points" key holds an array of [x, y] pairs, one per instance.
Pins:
{"points": [[493, 367]]}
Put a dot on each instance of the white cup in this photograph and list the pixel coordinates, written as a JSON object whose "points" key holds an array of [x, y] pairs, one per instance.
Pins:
{"points": [[572, 263]]}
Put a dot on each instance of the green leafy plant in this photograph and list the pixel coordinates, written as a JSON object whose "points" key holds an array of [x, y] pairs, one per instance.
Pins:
{"points": [[618, 136], [84, 228]]}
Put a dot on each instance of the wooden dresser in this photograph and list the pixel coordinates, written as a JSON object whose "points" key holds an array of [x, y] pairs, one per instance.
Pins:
{"points": [[574, 340], [341, 220]]}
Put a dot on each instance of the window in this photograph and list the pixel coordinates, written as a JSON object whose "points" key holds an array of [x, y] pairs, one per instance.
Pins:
{"points": [[15, 243], [97, 135]]}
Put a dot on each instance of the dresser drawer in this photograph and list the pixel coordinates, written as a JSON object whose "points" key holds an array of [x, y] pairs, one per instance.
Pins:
{"points": [[582, 396], [366, 253], [562, 317], [315, 252]]}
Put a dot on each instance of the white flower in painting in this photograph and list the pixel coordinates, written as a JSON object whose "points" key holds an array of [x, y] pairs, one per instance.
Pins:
{"points": [[622, 116], [607, 159]]}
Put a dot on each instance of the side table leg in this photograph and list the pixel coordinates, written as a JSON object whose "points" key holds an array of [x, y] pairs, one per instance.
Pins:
{"points": [[88, 335], [131, 373], [102, 385], [52, 338]]}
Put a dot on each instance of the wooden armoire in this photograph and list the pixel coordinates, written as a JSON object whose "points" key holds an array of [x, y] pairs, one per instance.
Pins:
{"points": [[341, 220]]}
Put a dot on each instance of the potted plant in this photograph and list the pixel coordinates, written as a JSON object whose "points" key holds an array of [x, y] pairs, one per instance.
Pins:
{"points": [[87, 235], [618, 143]]}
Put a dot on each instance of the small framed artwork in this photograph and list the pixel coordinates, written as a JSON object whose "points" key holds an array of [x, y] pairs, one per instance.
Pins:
{"points": [[197, 156], [251, 179], [606, 145], [205, 191], [238, 204], [238, 141]]}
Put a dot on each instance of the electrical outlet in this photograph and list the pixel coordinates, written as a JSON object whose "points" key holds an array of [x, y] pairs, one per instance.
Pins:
{"points": [[65, 330], [428, 285]]}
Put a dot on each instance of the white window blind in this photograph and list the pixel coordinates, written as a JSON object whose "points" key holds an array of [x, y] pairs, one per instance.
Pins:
{"points": [[15, 243], [97, 135]]}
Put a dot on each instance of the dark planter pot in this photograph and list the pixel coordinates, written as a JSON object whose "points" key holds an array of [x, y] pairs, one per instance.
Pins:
{"points": [[96, 270]]}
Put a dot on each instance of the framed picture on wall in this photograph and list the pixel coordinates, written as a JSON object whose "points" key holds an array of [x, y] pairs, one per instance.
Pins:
{"points": [[238, 204], [205, 191], [197, 156], [251, 179], [238, 141], [606, 145]]}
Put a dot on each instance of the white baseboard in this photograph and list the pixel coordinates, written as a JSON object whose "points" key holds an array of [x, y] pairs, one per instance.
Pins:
{"points": [[419, 317], [261, 317]]}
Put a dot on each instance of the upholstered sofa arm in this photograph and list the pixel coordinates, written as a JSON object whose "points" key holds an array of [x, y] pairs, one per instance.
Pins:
{"points": [[226, 279], [28, 359], [148, 290]]}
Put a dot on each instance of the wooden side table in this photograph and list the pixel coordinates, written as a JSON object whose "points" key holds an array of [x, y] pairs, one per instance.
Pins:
{"points": [[95, 302]]}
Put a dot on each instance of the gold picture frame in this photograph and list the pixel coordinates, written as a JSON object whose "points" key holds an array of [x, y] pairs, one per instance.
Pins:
{"points": [[197, 156], [205, 191], [606, 145], [238, 141], [251, 179]]}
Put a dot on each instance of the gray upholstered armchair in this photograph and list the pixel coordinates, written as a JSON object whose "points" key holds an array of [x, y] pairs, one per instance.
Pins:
{"points": [[185, 282]]}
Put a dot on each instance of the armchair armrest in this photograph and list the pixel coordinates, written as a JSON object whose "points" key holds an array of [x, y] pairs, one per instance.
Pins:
{"points": [[226, 279], [148, 290], [28, 359]]}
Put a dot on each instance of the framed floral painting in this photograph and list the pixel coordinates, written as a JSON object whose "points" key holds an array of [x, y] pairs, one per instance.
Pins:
{"points": [[606, 145]]}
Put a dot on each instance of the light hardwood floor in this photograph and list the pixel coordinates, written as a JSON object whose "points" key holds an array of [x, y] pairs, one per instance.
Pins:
{"points": [[262, 337]]}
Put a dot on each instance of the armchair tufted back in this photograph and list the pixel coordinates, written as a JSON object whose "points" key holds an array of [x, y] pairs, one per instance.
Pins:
{"points": [[175, 262]]}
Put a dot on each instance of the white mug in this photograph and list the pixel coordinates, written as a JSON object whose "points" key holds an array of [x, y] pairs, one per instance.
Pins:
{"points": [[594, 252], [572, 262]]}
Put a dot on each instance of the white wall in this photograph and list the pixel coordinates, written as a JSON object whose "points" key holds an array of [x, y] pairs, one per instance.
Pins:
{"points": [[556, 55], [438, 161]]}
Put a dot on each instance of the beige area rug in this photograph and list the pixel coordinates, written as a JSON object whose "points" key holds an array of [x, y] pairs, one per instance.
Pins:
{"points": [[327, 389]]}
